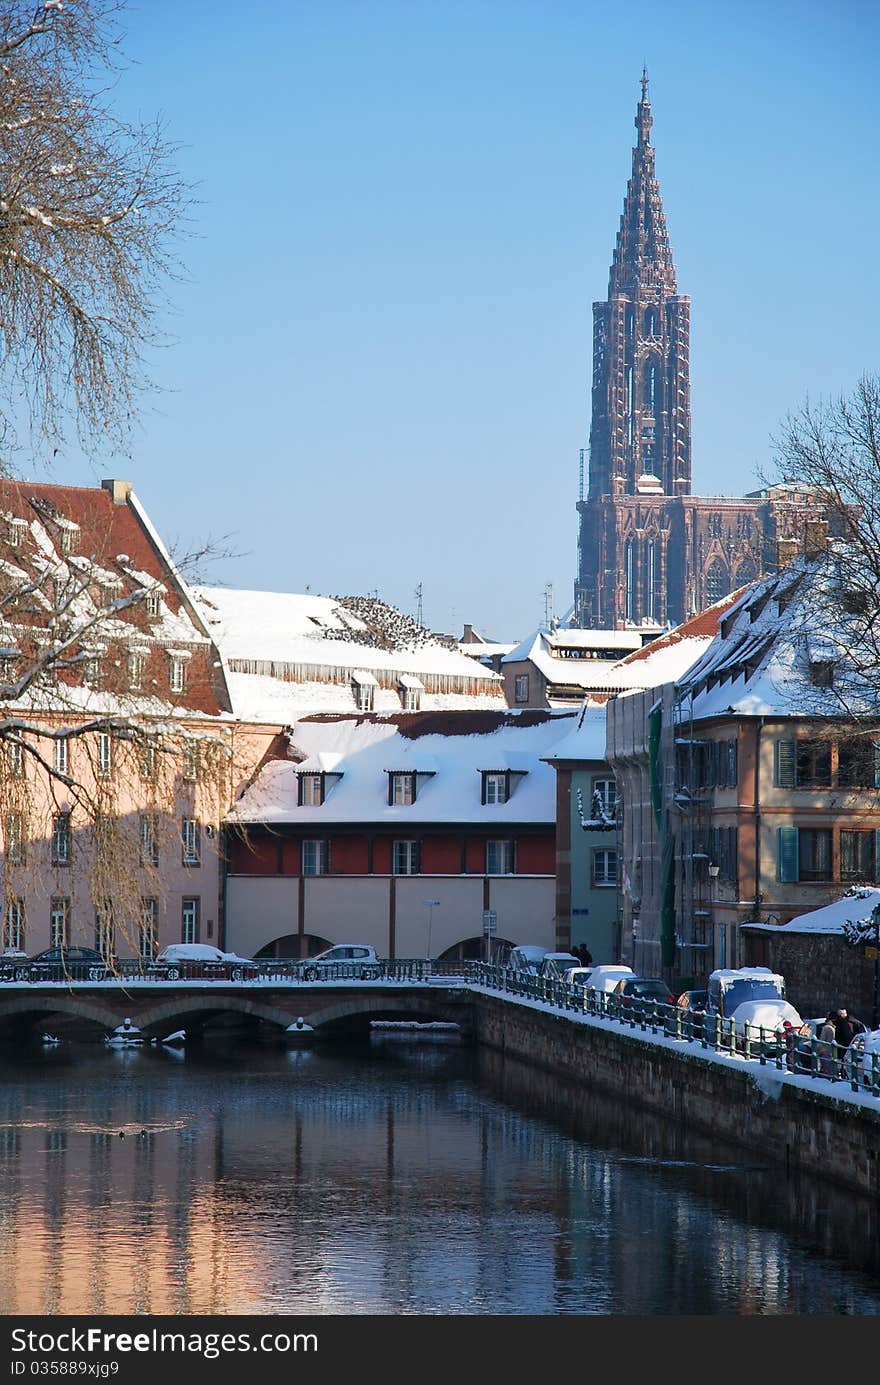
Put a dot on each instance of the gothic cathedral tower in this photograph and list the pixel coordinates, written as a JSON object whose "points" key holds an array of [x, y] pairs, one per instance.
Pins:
{"points": [[640, 436]]}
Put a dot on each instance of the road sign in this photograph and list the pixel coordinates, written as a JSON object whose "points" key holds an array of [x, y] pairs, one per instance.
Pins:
{"points": [[490, 922]]}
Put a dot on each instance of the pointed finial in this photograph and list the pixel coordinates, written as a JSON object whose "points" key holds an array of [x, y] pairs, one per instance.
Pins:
{"points": [[644, 81]]}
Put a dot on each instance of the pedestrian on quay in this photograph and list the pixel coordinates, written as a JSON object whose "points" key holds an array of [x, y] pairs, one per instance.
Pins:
{"points": [[826, 1046], [844, 1029], [584, 954]]}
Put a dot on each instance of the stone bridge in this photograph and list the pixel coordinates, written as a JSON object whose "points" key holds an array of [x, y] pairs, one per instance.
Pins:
{"points": [[159, 1008]]}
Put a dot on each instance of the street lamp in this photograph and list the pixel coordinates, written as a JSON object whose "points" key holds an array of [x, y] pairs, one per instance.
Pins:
{"points": [[714, 872], [430, 905], [875, 999]]}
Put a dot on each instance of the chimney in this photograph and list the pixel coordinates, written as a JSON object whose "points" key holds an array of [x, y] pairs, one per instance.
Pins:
{"points": [[469, 637], [119, 490], [786, 549], [815, 537]]}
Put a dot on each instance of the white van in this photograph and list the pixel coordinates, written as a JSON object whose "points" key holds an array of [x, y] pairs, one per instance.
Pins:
{"points": [[526, 958], [731, 987], [605, 978]]}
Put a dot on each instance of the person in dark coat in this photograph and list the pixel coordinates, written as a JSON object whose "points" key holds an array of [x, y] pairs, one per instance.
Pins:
{"points": [[844, 1030], [585, 955]]}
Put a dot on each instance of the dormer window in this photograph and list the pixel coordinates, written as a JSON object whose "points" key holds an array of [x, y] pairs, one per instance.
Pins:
{"points": [[401, 788], [410, 691], [153, 603], [364, 687], [496, 786], [310, 790]]}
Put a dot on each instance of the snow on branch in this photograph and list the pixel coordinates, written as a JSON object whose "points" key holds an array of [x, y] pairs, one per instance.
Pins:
{"points": [[600, 821]]}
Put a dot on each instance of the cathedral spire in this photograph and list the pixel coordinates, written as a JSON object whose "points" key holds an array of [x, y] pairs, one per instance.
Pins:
{"points": [[642, 255]]}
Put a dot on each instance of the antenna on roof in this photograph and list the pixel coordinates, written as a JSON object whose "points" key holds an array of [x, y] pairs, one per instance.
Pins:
{"points": [[418, 596], [548, 604]]}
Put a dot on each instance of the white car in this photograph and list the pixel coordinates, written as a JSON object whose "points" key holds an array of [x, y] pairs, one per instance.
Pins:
{"points": [[344, 960], [605, 977], [526, 958], [200, 961], [555, 966], [867, 1046], [764, 1020]]}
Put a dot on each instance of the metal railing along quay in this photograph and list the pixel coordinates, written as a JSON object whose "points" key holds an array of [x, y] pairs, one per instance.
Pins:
{"points": [[793, 1051]]}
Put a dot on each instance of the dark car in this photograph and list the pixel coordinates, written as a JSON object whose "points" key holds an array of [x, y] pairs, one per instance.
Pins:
{"points": [[643, 989], [693, 1000], [59, 964]]}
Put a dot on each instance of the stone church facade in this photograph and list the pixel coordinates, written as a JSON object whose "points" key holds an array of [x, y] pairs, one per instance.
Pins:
{"points": [[650, 552]]}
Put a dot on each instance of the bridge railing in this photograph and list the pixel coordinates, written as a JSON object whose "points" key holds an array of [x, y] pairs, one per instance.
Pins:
{"points": [[789, 1051], [271, 970]]}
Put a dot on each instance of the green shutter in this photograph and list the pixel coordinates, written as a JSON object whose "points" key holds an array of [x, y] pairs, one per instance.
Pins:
{"points": [[876, 764], [788, 850], [731, 764], [785, 765]]}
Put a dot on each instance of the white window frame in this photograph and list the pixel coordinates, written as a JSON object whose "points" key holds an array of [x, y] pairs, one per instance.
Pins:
{"points": [[191, 842], [105, 930], [403, 789], [105, 754], [137, 663], [364, 696], [16, 760], [607, 791], [190, 909], [149, 852], [405, 857], [500, 856], [61, 839], [311, 790], [13, 925], [315, 856], [191, 761], [153, 604], [602, 877], [495, 790], [59, 920], [62, 754], [148, 927], [15, 839], [177, 675], [410, 699]]}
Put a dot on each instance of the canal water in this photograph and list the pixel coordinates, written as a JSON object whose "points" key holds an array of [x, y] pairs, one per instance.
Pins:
{"points": [[401, 1175]]}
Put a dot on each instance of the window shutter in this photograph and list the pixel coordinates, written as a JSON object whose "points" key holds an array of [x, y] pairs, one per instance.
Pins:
{"points": [[299, 790], [711, 773], [390, 789], [416, 858], [785, 768], [483, 787], [731, 764], [876, 861], [876, 764], [734, 849], [788, 849]]}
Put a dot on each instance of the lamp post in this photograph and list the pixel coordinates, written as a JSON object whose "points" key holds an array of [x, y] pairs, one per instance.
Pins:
{"points": [[713, 876], [875, 998], [430, 905]]}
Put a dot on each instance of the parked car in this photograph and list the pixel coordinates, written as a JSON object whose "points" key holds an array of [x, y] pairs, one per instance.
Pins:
{"points": [[729, 988], [643, 988], [344, 959], [765, 1021], [57, 964], [526, 958], [200, 961], [556, 965], [605, 977], [693, 1000], [578, 976], [867, 1047]]}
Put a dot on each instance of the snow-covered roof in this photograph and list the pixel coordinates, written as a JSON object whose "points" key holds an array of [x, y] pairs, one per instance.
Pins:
{"points": [[760, 662], [453, 750], [853, 907], [287, 653], [585, 740]]}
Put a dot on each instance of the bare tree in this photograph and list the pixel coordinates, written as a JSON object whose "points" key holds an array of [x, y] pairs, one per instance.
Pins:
{"points": [[834, 449], [88, 207]]}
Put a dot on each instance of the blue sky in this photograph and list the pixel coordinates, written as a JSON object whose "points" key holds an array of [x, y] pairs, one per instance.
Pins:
{"points": [[381, 357]]}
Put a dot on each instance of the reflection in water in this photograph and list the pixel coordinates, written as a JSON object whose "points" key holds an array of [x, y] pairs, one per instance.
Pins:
{"points": [[400, 1176]]}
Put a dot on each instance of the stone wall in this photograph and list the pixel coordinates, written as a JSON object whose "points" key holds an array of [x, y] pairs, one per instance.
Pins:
{"points": [[821, 970], [793, 1125]]}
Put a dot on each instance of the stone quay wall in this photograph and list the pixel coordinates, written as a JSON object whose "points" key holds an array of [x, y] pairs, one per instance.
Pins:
{"points": [[753, 1105]]}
